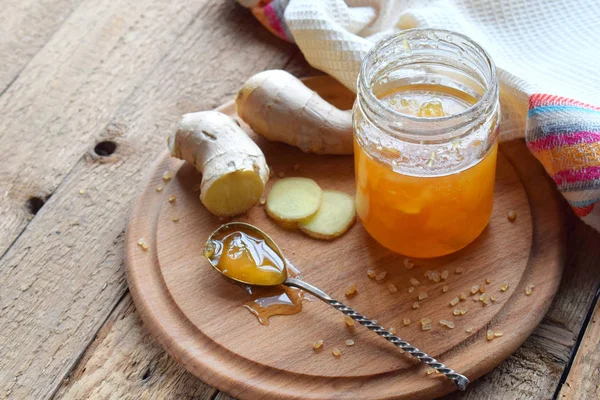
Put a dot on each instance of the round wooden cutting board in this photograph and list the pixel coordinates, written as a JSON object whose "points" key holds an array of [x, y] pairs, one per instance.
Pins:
{"points": [[197, 315]]}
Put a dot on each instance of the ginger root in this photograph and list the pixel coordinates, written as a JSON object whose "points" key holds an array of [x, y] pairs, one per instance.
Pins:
{"points": [[281, 108], [234, 170], [335, 215], [293, 199]]}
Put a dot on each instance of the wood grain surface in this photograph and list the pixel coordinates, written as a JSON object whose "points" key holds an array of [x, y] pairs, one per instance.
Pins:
{"points": [[199, 318], [63, 303]]}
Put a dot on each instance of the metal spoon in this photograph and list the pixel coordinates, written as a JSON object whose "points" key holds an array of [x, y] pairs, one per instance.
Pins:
{"points": [[461, 381]]}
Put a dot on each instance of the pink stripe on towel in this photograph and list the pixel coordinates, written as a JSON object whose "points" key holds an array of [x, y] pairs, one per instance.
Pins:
{"points": [[564, 140], [570, 176]]}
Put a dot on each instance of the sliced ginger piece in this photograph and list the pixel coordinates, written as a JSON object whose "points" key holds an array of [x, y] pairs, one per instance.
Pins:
{"points": [[336, 214], [293, 199], [287, 225]]}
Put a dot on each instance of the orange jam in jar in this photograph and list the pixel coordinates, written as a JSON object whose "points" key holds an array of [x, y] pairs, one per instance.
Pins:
{"points": [[425, 124]]}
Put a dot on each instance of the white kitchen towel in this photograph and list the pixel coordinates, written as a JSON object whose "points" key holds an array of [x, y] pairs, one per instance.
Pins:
{"points": [[547, 53]]}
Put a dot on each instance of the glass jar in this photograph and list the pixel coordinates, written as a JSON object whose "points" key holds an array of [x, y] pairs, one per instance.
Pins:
{"points": [[425, 141]]}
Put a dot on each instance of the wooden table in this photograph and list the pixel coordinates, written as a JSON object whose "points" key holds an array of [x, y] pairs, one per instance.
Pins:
{"points": [[78, 76]]}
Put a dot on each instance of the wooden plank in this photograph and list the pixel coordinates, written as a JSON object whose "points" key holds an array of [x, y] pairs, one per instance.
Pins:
{"points": [[130, 364], [583, 380], [63, 275], [72, 88], [25, 26]]}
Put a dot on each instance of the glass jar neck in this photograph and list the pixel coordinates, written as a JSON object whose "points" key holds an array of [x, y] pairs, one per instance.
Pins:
{"points": [[427, 57]]}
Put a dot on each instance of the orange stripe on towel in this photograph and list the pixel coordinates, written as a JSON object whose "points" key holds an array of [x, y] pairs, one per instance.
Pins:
{"points": [[573, 157]]}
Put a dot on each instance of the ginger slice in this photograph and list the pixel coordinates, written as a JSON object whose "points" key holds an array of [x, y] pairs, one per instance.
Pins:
{"points": [[335, 215], [287, 225], [234, 170], [293, 199]]}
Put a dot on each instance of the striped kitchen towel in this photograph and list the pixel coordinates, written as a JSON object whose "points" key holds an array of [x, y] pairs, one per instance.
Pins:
{"points": [[547, 53], [564, 135]]}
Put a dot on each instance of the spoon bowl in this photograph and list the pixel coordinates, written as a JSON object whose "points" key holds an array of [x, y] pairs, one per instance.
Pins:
{"points": [[212, 252]]}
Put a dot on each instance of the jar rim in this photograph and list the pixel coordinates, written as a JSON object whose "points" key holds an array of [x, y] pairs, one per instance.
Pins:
{"points": [[488, 97]]}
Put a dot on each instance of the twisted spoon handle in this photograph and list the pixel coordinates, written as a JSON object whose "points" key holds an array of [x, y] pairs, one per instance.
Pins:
{"points": [[461, 381]]}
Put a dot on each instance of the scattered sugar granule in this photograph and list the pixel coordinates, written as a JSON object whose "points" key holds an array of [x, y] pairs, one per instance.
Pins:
{"points": [[406, 321], [349, 321], [350, 290], [281, 174], [529, 289], [445, 274], [159, 189], [416, 304], [262, 201], [318, 344], [172, 198], [459, 271], [371, 273], [512, 216], [336, 352], [411, 289], [422, 295], [81, 191], [469, 329], [456, 311], [142, 243], [392, 288], [175, 219], [408, 263], [488, 280], [349, 342], [489, 334], [426, 327], [445, 289], [167, 176], [380, 276], [454, 301], [448, 324], [475, 289], [504, 287], [392, 330], [462, 297], [497, 334], [414, 281]]}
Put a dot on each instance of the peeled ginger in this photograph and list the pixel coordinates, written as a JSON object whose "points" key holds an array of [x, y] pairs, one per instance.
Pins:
{"points": [[335, 215], [234, 170]]}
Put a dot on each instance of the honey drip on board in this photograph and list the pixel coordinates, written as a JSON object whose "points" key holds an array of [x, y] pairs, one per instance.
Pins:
{"points": [[266, 302], [241, 255]]}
